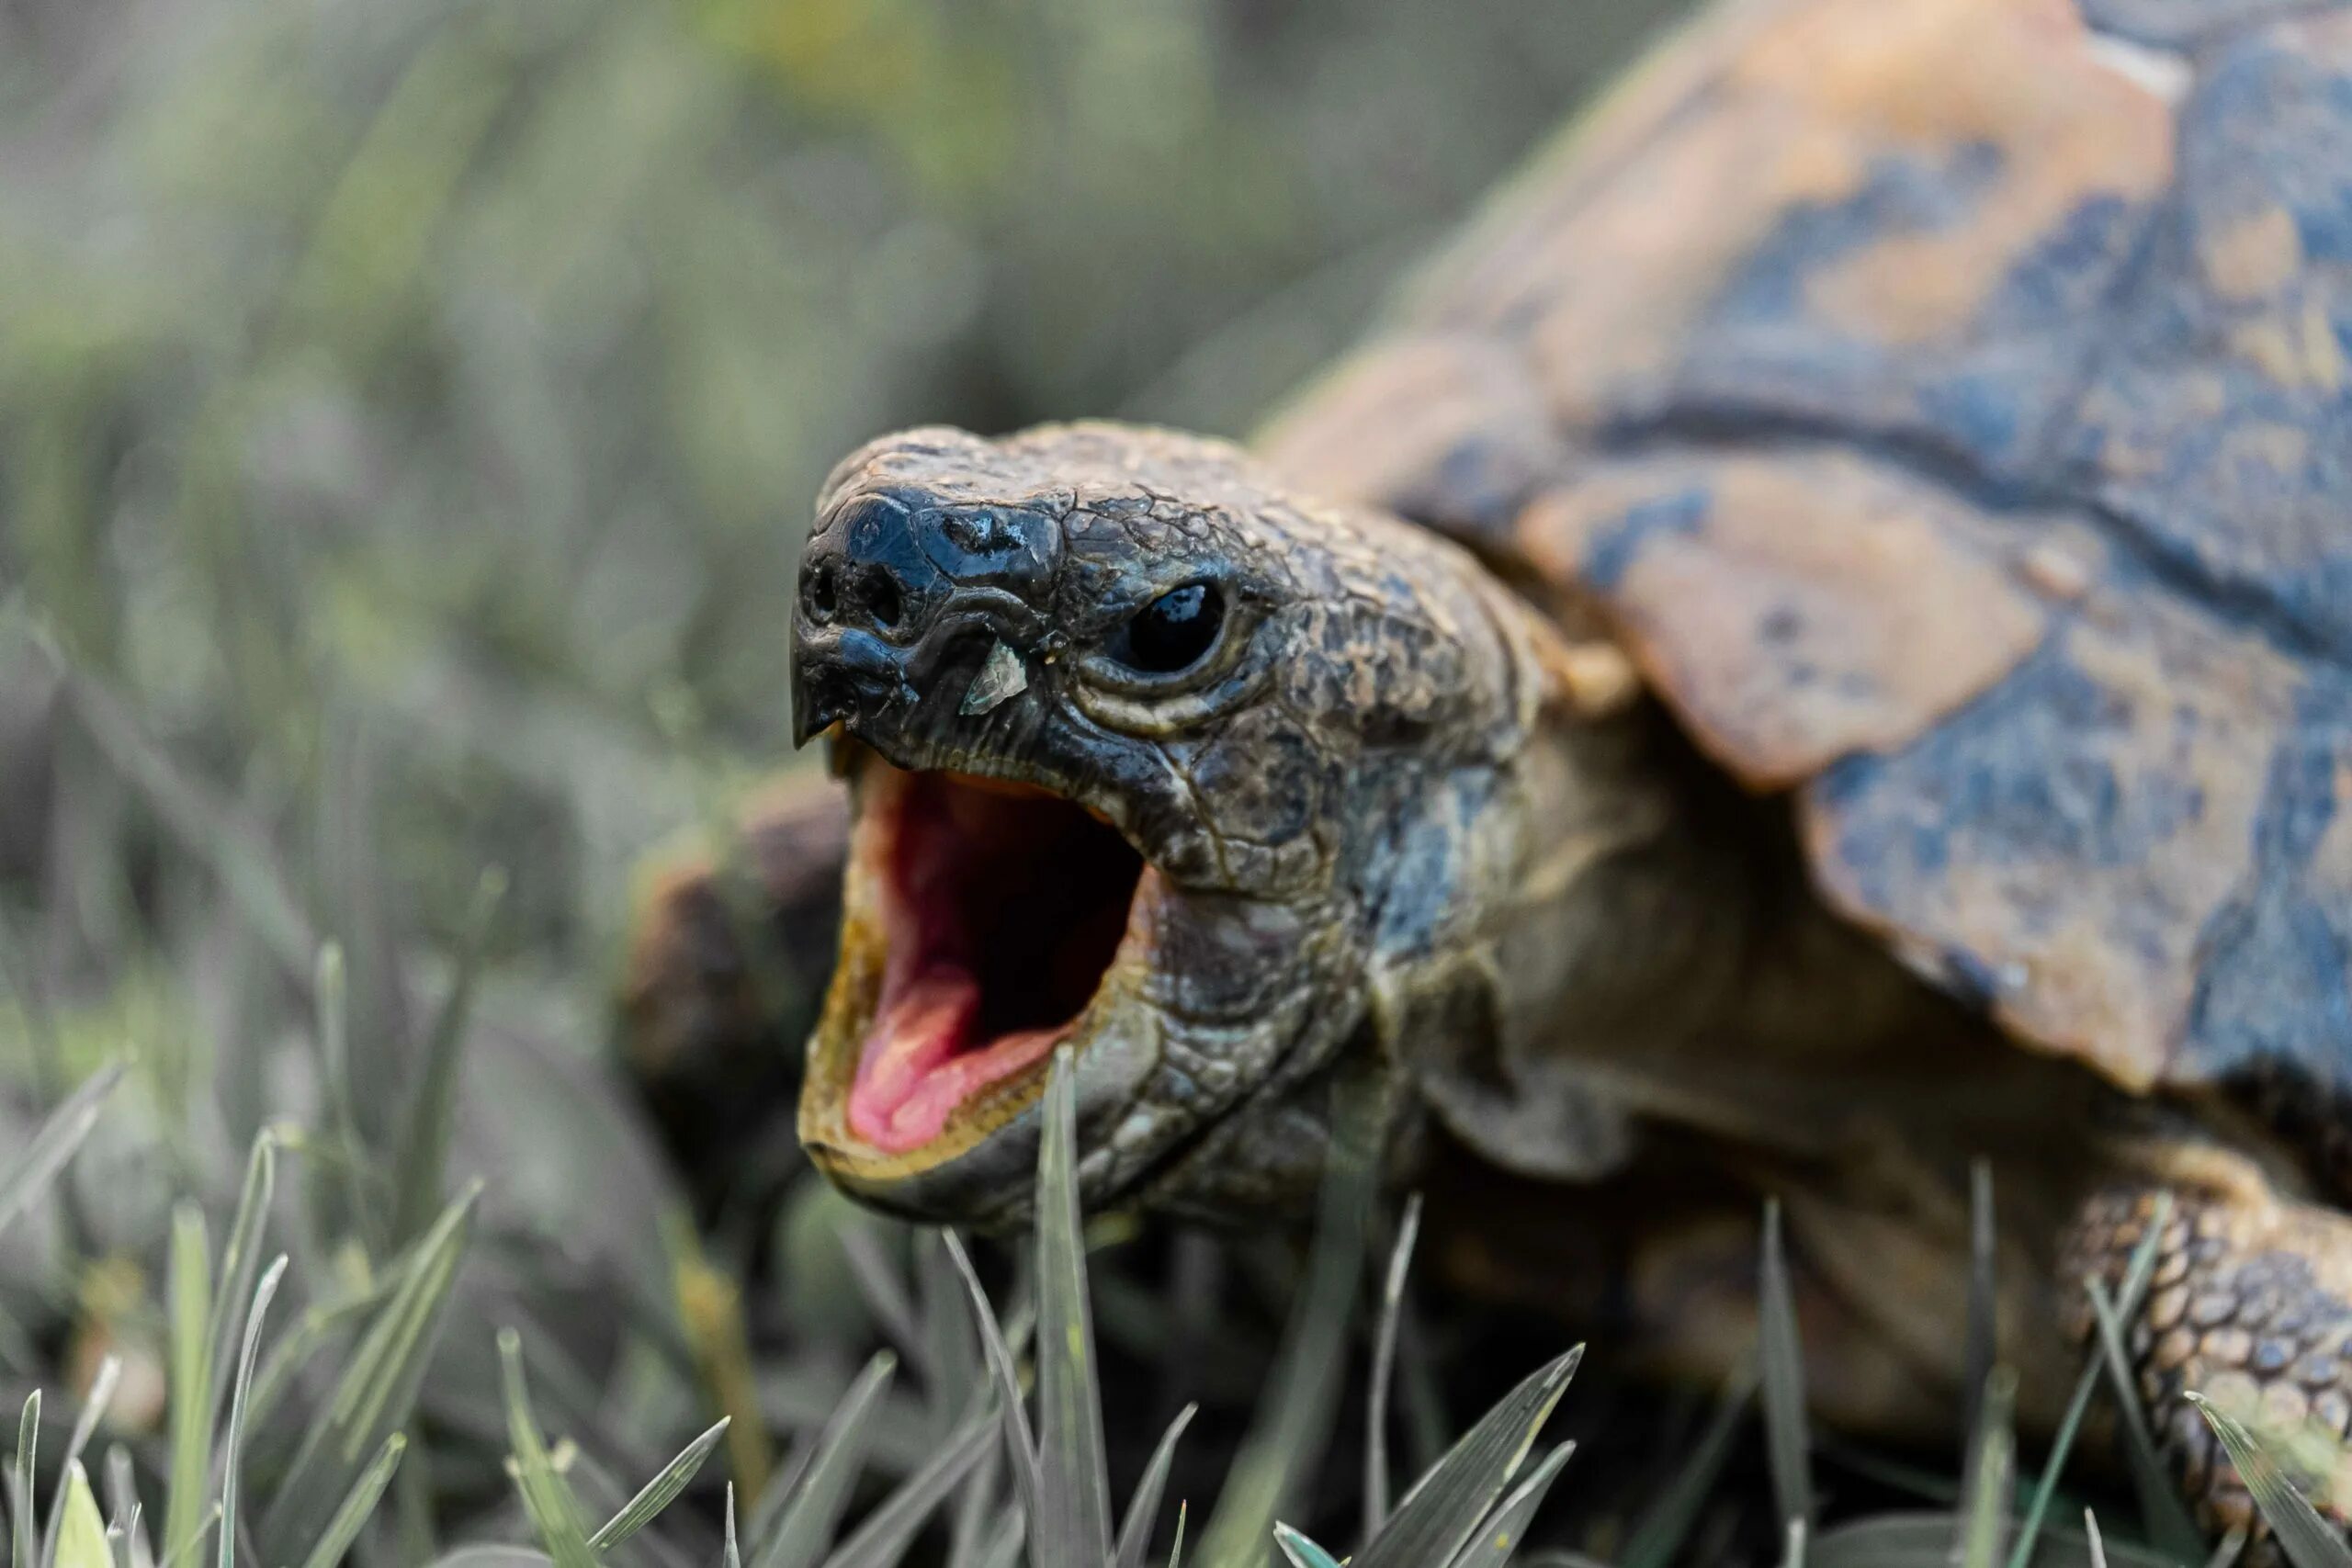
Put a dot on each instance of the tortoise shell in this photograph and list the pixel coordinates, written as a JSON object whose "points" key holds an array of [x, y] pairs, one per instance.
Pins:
{"points": [[1948, 403]]}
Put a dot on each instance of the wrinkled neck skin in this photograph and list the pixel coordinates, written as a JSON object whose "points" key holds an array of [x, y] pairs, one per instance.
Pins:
{"points": [[1456, 855], [1436, 832]]}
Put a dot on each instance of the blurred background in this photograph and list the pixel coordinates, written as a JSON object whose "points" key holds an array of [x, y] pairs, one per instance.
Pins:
{"points": [[408, 412]]}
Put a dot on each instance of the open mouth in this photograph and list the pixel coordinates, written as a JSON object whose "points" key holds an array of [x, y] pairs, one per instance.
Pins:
{"points": [[999, 910]]}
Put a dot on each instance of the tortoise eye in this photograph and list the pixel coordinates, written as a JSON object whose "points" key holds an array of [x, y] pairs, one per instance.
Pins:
{"points": [[1173, 632]]}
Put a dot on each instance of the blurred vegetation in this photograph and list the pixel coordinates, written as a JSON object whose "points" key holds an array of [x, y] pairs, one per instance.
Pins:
{"points": [[423, 389], [409, 411]]}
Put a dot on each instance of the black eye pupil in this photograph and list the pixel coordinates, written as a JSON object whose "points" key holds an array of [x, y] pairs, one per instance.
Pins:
{"points": [[1176, 629]]}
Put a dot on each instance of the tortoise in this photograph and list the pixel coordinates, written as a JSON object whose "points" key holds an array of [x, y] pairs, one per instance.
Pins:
{"points": [[1811, 648]]}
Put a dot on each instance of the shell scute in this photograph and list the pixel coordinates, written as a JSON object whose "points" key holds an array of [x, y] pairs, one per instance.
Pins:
{"points": [[2218, 424], [1792, 608], [2081, 832]]}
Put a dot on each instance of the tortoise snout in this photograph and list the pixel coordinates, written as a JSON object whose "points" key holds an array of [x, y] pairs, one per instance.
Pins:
{"points": [[867, 571], [897, 588]]}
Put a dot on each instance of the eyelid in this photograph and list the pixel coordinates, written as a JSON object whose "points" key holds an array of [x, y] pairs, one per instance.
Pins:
{"points": [[1145, 712]]}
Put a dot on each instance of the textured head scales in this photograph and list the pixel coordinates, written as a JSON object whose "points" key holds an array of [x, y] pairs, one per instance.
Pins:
{"points": [[1950, 403]]}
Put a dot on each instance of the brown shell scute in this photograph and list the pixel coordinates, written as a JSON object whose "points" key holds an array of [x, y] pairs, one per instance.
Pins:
{"points": [[1892, 217], [1449, 425], [1791, 606], [2065, 846]]}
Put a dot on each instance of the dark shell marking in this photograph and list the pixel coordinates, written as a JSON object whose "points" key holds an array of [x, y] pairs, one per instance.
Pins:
{"points": [[2180, 24], [1957, 425]]}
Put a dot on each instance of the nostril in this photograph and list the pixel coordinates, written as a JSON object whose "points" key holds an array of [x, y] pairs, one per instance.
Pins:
{"points": [[882, 598], [821, 594]]}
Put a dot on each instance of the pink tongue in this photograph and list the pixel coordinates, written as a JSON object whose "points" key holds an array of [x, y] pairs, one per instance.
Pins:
{"points": [[898, 1103], [916, 1069]]}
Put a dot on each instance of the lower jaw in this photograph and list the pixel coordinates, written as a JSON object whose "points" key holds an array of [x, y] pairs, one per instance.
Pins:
{"points": [[980, 1166]]}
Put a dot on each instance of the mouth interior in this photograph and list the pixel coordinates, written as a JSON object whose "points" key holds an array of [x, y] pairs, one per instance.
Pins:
{"points": [[1004, 908]]}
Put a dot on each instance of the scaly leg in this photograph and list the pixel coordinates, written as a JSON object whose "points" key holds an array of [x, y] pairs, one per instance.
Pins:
{"points": [[2250, 1304], [728, 962]]}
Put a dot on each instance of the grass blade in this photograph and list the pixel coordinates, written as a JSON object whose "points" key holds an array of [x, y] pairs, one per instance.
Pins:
{"points": [[2308, 1540], [1983, 1286], [79, 1531], [1780, 1358], [659, 1492], [358, 1504], [2226, 1551], [951, 1352], [28, 1175], [1017, 1441], [732, 1554], [2136, 1275], [191, 1370], [1004, 1548], [805, 1528], [241, 1259], [330, 996], [122, 1498], [263, 1295], [882, 1540], [554, 1511], [1445, 1509], [1501, 1534], [879, 1287], [309, 1333], [1073, 1521], [1143, 1508], [1383, 1369], [1301, 1551], [710, 1310], [1667, 1523], [1989, 1467], [378, 1388], [1916, 1540], [974, 1517], [20, 1487], [2161, 1514], [422, 1153], [1294, 1422], [85, 1426], [2098, 1542]]}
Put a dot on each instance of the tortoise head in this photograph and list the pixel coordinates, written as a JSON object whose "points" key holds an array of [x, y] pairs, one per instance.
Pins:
{"points": [[1149, 757]]}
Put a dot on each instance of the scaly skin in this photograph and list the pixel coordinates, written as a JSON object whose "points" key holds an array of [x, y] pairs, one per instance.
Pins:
{"points": [[2249, 1304]]}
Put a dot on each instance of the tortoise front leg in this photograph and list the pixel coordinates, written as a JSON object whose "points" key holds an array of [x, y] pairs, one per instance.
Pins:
{"points": [[729, 953], [2250, 1304]]}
